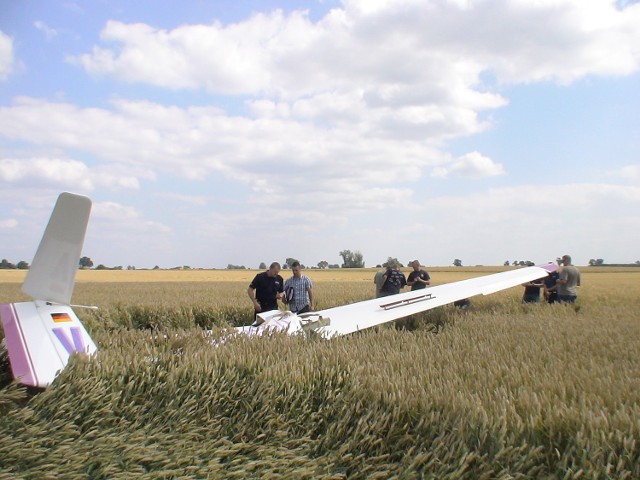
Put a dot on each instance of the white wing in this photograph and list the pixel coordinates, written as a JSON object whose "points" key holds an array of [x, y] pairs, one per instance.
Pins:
{"points": [[369, 313]]}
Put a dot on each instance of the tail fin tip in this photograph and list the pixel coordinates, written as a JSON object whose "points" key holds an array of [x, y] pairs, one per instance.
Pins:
{"points": [[52, 274]]}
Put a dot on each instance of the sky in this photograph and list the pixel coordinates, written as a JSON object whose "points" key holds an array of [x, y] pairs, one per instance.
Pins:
{"points": [[210, 133]]}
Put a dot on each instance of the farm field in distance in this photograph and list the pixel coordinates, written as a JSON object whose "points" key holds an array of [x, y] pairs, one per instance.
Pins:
{"points": [[503, 390]]}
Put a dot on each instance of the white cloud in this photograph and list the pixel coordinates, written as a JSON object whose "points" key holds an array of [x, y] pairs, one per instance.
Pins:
{"points": [[125, 218], [530, 222], [144, 140], [9, 223], [44, 28], [628, 172], [6, 56], [398, 70], [471, 165], [50, 171], [391, 49], [333, 122]]}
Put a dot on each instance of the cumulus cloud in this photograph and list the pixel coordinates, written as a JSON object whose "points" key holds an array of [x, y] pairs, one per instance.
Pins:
{"points": [[6, 56], [49, 171], [320, 119], [471, 165], [390, 48], [372, 82], [143, 140]]}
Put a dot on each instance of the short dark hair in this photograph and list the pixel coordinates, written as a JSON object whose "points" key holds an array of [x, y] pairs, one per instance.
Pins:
{"points": [[295, 264], [274, 265]]}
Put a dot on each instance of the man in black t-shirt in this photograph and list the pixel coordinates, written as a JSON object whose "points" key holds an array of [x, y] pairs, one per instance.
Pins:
{"points": [[392, 281], [532, 291], [418, 279], [265, 289]]}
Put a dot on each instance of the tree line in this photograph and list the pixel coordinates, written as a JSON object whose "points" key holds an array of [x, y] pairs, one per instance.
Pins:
{"points": [[350, 259]]}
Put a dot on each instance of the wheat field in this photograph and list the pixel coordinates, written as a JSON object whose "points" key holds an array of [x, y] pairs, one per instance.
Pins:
{"points": [[502, 390]]}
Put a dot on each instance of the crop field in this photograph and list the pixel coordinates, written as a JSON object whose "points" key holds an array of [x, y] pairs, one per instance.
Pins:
{"points": [[499, 391]]}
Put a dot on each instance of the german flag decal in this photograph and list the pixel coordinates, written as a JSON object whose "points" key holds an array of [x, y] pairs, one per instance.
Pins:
{"points": [[60, 317]]}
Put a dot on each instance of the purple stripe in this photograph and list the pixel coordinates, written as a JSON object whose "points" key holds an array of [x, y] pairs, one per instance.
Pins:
{"points": [[78, 339], [76, 334], [21, 364]]}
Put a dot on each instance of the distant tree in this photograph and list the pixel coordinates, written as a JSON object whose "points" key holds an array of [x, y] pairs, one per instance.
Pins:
{"points": [[506, 263], [334, 265], [390, 262], [289, 261], [156, 268], [22, 265], [323, 264], [102, 267], [6, 265], [235, 267], [457, 262], [596, 262], [352, 259], [86, 262], [262, 266], [346, 257]]}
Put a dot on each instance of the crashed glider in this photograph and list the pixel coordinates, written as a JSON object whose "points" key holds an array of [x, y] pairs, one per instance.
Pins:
{"points": [[41, 335], [369, 313]]}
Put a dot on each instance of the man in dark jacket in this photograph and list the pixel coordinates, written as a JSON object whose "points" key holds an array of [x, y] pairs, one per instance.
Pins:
{"points": [[392, 281], [266, 289]]}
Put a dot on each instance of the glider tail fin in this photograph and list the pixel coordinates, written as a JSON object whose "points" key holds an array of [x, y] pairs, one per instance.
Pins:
{"points": [[52, 274], [41, 335]]}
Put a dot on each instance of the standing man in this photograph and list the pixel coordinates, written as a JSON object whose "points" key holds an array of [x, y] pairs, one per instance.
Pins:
{"points": [[302, 288], [532, 291], [265, 289], [377, 279], [418, 279], [392, 281], [568, 280]]}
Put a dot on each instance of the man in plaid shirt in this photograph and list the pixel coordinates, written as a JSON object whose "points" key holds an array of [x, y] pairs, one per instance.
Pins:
{"points": [[302, 300]]}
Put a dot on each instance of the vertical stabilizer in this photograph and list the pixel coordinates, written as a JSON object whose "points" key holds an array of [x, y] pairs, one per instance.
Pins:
{"points": [[52, 274]]}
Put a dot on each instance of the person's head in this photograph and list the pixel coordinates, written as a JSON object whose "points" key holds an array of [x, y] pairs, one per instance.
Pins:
{"points": [[296, 269], [416, 264], [274, 269], [566, 259]]}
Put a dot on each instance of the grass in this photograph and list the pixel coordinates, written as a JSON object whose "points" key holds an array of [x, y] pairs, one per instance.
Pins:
{"points": [[504, 390]]}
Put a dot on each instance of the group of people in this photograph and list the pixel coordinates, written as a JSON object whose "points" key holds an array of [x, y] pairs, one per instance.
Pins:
{"points": [[391, 280], [558, 287], [268, 287], [297, 291]]}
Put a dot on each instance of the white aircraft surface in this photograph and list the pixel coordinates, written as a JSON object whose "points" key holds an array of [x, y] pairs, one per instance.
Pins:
{"points": [[369, 313], [41, 335]]}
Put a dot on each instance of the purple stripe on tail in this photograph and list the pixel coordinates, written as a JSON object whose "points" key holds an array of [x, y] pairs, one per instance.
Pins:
{"points": [[21, 365], [76, 335]]}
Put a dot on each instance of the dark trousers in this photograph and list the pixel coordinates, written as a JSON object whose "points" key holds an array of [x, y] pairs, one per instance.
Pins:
{"points": [[265, 307], [567, 298], [304, 309]]}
